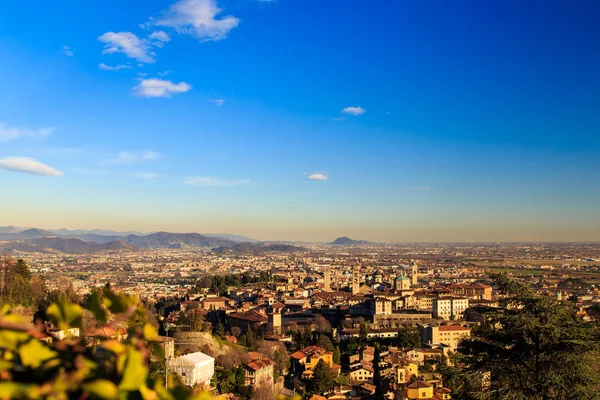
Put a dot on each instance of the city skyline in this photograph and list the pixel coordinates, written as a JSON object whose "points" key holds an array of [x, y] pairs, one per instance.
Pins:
{"points": [[307, 121]]}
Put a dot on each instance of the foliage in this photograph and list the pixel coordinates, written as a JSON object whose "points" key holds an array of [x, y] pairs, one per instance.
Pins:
{"points": [[532, 347], [104, 368], [409, 338], [323, 379]]}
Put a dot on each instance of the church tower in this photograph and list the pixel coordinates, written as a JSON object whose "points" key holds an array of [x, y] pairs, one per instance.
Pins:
{"points": [[415, 274], [355, 281], [327, 275]]}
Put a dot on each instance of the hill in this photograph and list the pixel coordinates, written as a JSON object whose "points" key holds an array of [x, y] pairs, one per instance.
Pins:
{"points": [[63, 245], [166, 239], [258, 249], [346, 241], [33, 233]]}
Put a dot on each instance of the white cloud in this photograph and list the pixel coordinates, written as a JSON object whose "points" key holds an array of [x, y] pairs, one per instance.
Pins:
{"points": [[317, 177], [7, 133], [159, 38], [353, 110], [142, 74], [164, 73], [67, 51], [28, 166], [105, 67], [160, 88], [134, 157], [207, 181], [147, 176], [218, 102], [197, 18], [128, 44]]}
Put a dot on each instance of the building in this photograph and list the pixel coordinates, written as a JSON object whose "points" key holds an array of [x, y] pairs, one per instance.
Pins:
{"points": [[259, 372], [415, 274], [477, 291], [449, 307], [381, 306], [448, 335], [419, 390], [194, 368], [361, 372], [401, 283], [309, 357]]}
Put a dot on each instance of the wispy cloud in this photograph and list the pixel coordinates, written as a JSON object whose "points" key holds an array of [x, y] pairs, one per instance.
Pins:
{"points": [[197, 18], [129, 44], [317, 177], [208, 181], [134, 157], [67, 51], [218, 102], [159, 38], [160, 88], [353, 111], [148, 176], [105, 67], [11, 133], [165, 73], [28, 166], [416, 189]]}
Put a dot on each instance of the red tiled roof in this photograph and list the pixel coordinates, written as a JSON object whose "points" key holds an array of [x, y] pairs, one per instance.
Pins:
{"points": [[453, 328]]}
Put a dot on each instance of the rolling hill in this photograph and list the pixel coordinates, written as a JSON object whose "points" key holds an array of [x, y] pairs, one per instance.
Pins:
{"points": [[346, 241]]}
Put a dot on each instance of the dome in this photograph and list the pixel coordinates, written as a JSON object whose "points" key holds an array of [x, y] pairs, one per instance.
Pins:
{"points": [[401, 278]]}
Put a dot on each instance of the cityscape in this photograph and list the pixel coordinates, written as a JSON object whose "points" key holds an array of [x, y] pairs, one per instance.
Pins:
{"points": [[289, 200]]}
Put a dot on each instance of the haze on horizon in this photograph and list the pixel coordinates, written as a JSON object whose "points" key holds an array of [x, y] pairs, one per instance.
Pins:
{"points": [[287, 120]]}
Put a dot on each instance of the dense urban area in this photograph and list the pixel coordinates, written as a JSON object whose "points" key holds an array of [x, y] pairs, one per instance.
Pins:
{"points": [[343, 320]]}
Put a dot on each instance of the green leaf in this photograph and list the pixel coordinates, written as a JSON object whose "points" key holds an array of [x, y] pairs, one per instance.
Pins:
{"points": [[65, 314], [135, 372], [96, 306], [102, 388], [34, 353], [13, 390], [150, 332]]}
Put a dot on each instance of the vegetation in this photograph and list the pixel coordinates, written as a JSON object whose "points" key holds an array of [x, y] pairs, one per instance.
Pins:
{"points": [[74, 368], [531, 347]]}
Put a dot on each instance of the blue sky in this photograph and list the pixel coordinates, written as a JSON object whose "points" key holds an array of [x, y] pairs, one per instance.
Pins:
{"points": [[303, 120]]}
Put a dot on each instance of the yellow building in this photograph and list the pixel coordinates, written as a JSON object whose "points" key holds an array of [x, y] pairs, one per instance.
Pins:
{"points": [[406, 371], [310, 356], [419, 390]]}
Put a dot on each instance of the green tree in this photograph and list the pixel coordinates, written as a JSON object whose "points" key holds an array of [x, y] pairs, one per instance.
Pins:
{"points": [[409, 338], [22, 269], [219, 330], [323, 379], [324, 342], [363, 332], [530, 347]]}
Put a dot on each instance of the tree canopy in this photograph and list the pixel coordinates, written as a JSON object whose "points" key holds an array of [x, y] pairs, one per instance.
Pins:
{"points": [[531, 347]]}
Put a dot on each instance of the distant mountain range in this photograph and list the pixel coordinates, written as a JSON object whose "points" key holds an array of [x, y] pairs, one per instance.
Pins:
{"points": [[346, 241], [11, 238], [64, 245], [258, 249]]}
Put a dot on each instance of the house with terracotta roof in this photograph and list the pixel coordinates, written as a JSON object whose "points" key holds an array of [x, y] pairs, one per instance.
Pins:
{"points": [[259, 372], [449, 335], [309, 357]]}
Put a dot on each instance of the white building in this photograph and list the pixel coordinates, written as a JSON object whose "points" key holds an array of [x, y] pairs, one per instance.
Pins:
{"points": [[447, 307], [449, 335], [194, 368]]}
